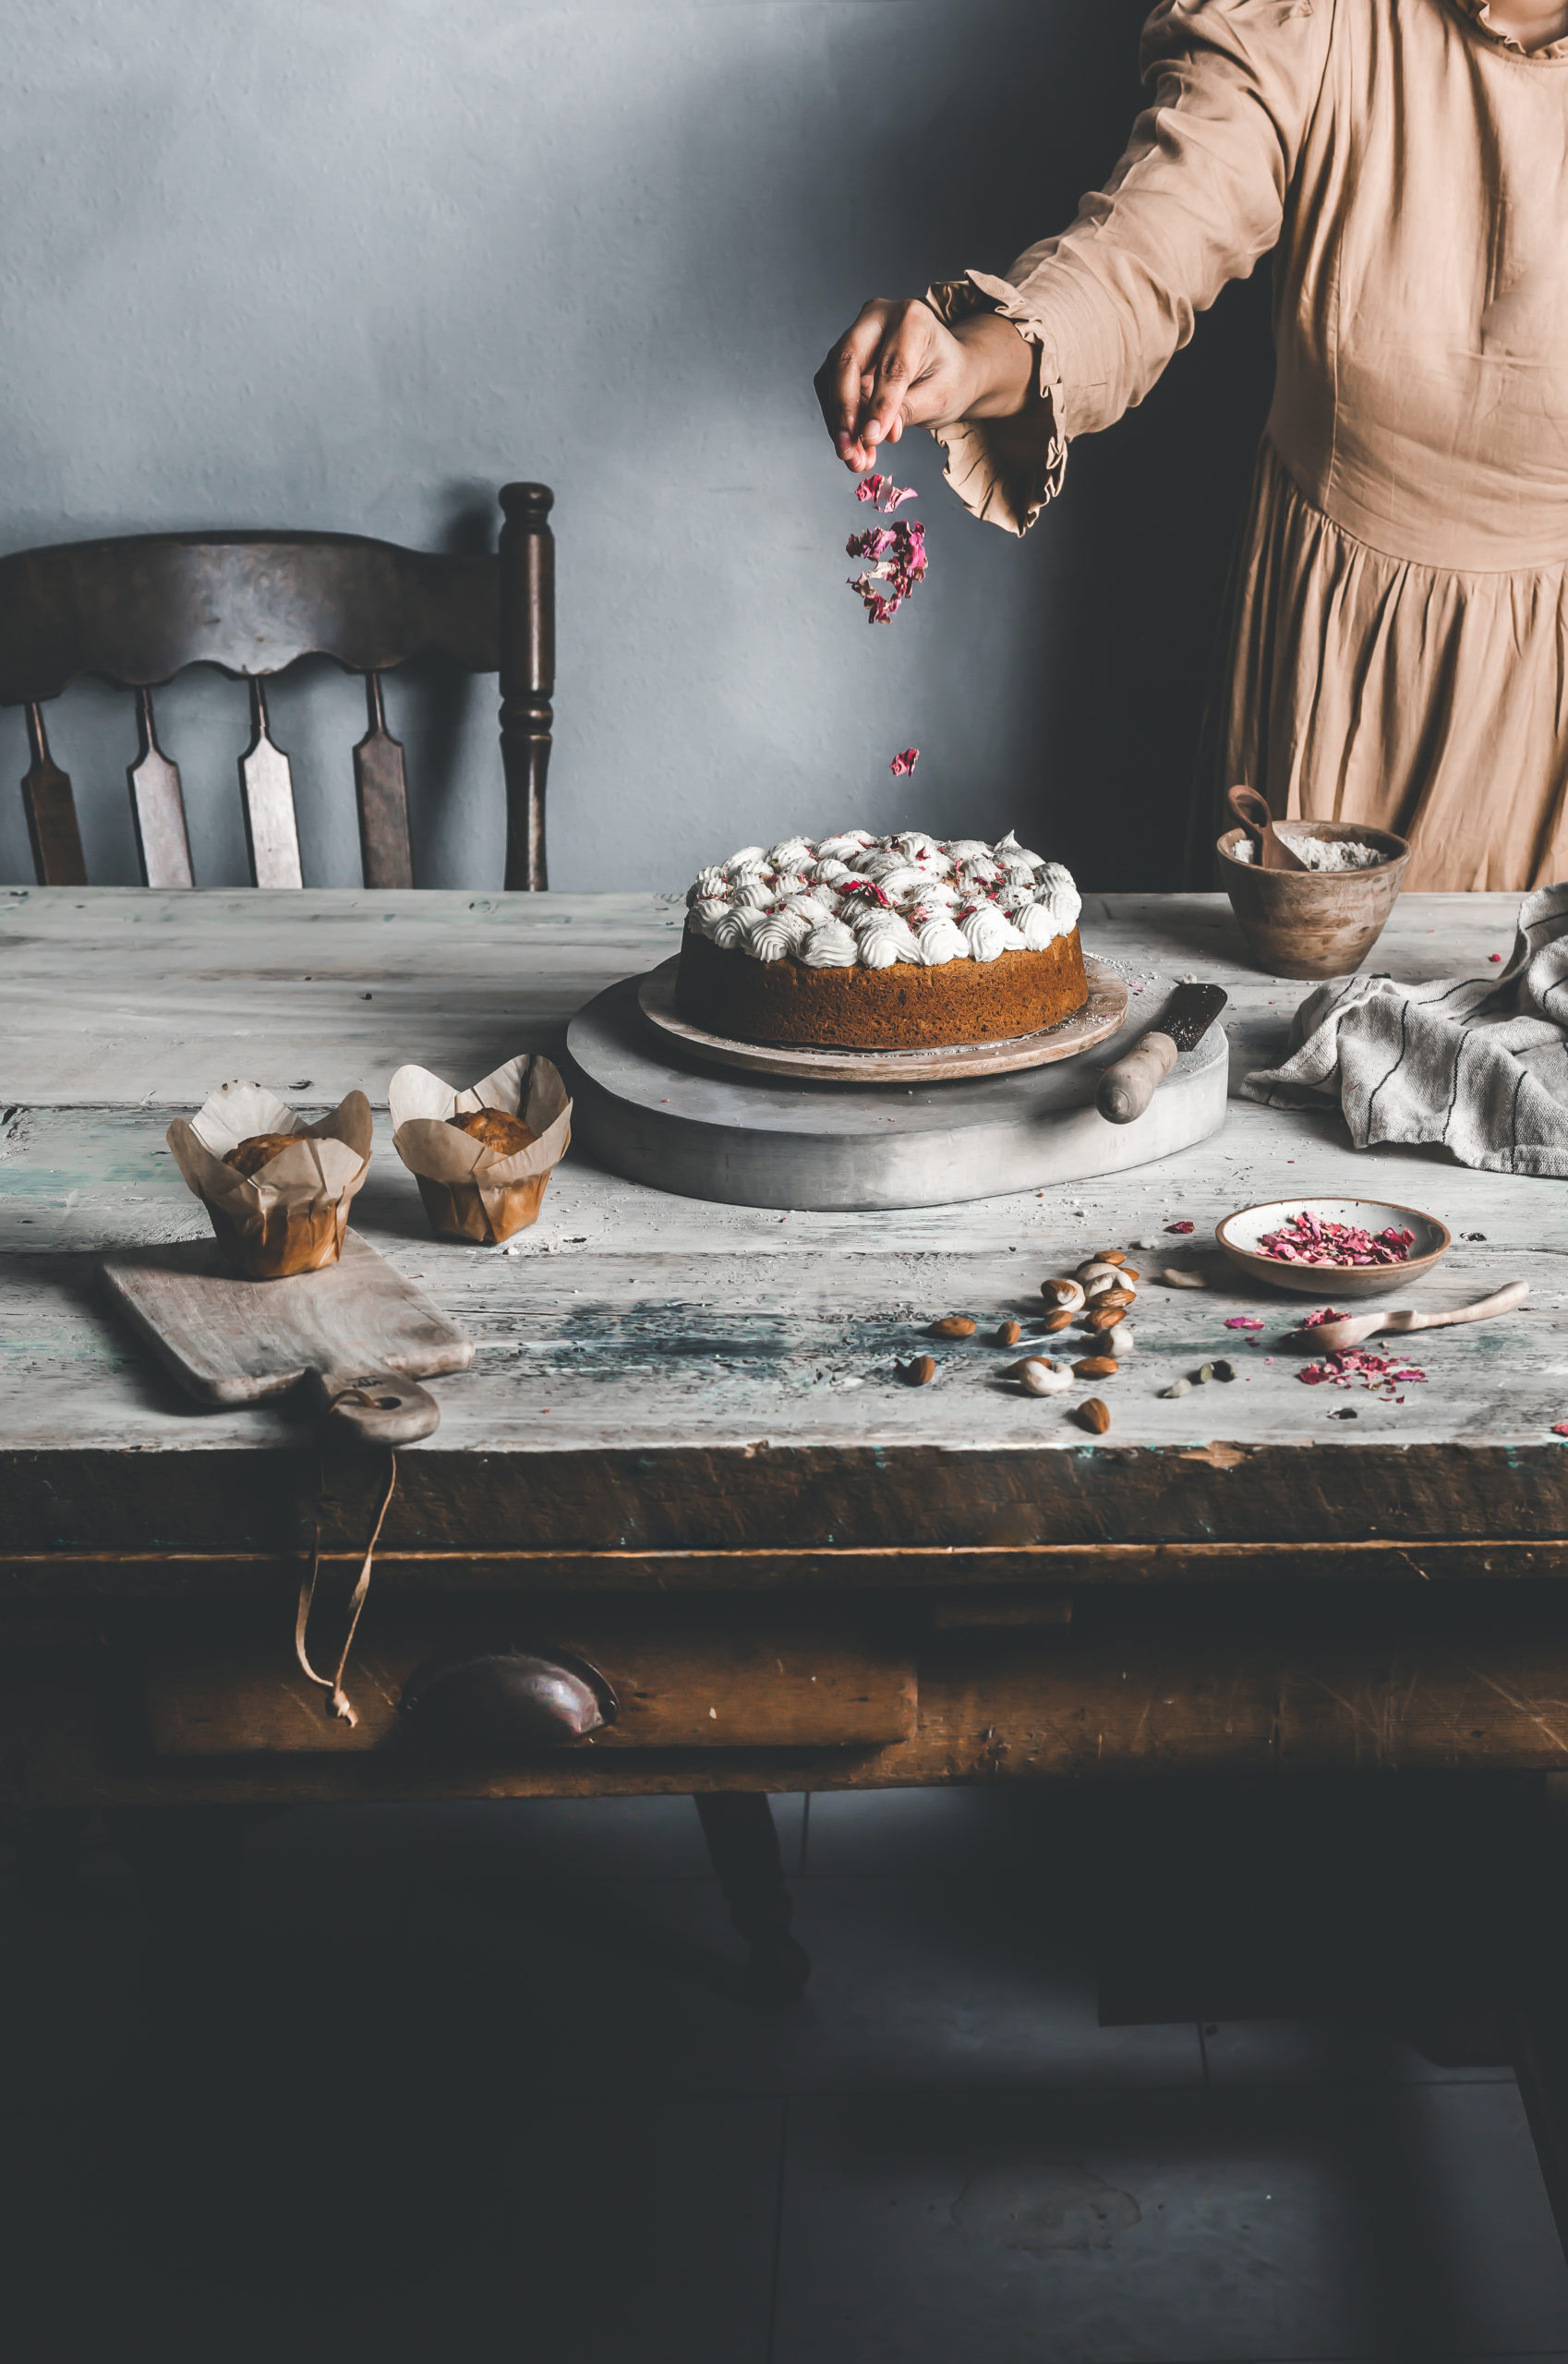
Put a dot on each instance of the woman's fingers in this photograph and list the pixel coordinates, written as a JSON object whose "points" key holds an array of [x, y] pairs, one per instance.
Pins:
{"points": [[898, 367], [846, 377], [901, 362]]}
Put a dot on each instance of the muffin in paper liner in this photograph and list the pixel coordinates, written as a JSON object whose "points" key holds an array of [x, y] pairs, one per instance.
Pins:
{"points": [[291, 1214], [471, 1192]]}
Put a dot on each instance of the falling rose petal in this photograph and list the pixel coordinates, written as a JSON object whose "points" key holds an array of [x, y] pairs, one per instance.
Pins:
{"points": [[1182, 1227], [897, 553], [1243, 1322], [902, 766]]}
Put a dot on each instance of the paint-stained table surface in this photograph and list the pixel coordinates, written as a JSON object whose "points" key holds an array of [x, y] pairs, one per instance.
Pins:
{"points": [[628, 1319]]}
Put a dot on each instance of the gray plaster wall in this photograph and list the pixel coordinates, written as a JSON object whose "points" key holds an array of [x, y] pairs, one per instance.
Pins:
{"points": [[354, 263]]}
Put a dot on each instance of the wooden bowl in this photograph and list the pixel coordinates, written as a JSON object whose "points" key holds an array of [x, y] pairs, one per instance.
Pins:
{"points": [[1239, 1235], [1314, 923]]}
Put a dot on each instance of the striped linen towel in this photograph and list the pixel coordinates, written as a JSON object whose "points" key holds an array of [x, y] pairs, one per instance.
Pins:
{"points": [[1481, 1067]]}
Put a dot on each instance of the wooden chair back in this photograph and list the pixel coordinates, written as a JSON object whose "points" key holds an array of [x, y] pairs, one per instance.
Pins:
{"points": [[139, 610]]}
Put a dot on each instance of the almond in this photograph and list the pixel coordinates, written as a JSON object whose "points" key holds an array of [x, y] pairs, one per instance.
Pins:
{"points": [[1111, 1255], [1097, 1366], [1094, 1416], [1055, 1322], [1062, 1293], [1128, 1274], [956, 1326], [919, 1373], [1124, 1297], [1008, 1334], [1104, 1318]]}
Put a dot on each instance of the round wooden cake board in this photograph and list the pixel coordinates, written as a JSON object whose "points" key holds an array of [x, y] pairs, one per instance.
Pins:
{"points": [[647, 1109], [1101, 1015]]}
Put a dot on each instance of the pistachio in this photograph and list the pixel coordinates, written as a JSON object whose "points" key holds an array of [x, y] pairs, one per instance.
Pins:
{"points": [[1065, 1294], [1008, 1334], [1055, 1322], [1177, 1387], [1174, 1278], [1205, 1373], [1223, 1370], [919, 1373], [957, 1325], [1095, 1366], [1093, 1414], [1037, 1377]]}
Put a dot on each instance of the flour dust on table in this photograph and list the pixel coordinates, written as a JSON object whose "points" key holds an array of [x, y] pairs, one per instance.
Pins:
{"points": [[883, 943]]}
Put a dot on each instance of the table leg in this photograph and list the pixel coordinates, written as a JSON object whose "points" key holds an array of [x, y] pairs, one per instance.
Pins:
{"points": [[743, 1845]]}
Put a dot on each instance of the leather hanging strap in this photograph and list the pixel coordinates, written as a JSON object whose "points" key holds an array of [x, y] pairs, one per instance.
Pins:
{"points": [[339, 1704]]}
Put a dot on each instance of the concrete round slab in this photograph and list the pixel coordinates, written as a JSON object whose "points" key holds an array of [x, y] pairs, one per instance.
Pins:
{"points": [[757, 1141]]}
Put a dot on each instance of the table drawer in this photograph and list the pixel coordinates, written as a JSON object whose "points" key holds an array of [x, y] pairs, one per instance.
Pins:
{"points": [[660, 1680]]}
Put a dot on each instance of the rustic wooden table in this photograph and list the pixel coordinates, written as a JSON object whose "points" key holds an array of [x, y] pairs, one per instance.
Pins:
{"points": [[682, 1450]]}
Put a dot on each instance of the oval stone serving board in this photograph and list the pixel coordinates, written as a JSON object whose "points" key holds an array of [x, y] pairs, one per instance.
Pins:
{"points": [[647, 1110]]}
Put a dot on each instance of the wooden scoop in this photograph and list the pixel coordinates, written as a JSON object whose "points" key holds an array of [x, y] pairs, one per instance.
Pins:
{"points": [[1335, 1337], [1269, 849]]}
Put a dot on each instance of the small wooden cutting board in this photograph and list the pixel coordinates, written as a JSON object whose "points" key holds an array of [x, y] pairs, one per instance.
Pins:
{"points": [[356, 1332]]}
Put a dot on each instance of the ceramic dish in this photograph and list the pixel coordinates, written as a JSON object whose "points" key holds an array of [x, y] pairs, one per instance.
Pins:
{"points": [[1240, 1235]]}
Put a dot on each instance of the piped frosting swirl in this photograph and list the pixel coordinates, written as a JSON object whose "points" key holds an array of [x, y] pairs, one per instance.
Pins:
{"points": [[857, 900]]}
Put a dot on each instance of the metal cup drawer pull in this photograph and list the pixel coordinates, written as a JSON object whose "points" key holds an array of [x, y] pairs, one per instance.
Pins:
{"points": [[503, 1697]]}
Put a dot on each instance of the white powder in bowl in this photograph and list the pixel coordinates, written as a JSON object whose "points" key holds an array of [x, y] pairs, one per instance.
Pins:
{"points": [[1321, 853]]}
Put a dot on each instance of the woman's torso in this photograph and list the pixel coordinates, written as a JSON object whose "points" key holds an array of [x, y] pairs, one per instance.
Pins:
{"points": [[1421, 293]]}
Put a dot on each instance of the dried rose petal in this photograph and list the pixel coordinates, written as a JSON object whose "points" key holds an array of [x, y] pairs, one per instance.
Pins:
{"points": [[899, 552], [884, 492], [1243, 1322], [1306, 1240], [902, 766], [1374, 1371], [1325, 1313], [1561, 1429], [1181, 1227], [1495, 957]]}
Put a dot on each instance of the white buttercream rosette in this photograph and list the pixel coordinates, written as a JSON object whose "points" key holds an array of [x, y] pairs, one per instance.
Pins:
{"points": [[855, 900]]}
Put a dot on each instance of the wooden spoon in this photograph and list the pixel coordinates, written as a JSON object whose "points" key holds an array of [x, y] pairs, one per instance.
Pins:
{"points": [[1335, 1337], [1269, 849]]}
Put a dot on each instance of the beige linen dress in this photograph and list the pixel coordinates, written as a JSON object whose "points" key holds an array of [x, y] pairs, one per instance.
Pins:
{"points": [[1396, 646]]}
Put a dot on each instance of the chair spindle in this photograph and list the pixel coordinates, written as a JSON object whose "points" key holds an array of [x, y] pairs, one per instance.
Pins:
{"points": [[57, 858], [156, 806], [266, 787], [527, 675], [381, 793]]}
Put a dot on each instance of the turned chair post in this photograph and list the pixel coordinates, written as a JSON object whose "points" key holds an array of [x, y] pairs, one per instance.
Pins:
{"points": [[527, 675]]}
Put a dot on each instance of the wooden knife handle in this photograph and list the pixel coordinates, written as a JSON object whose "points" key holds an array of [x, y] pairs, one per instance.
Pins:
{"points": [[1126, 1089], [377, 1406]]}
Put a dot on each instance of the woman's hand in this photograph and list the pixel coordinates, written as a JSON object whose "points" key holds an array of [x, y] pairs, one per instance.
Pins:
{"points": [[899, 366]]}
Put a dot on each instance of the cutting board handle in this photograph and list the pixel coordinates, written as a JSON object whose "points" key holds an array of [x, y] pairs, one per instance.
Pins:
{"points": [[377, 1406]]}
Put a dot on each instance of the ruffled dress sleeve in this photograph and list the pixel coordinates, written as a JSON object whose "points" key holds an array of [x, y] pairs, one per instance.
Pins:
{"points": [[1198, 197]]}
